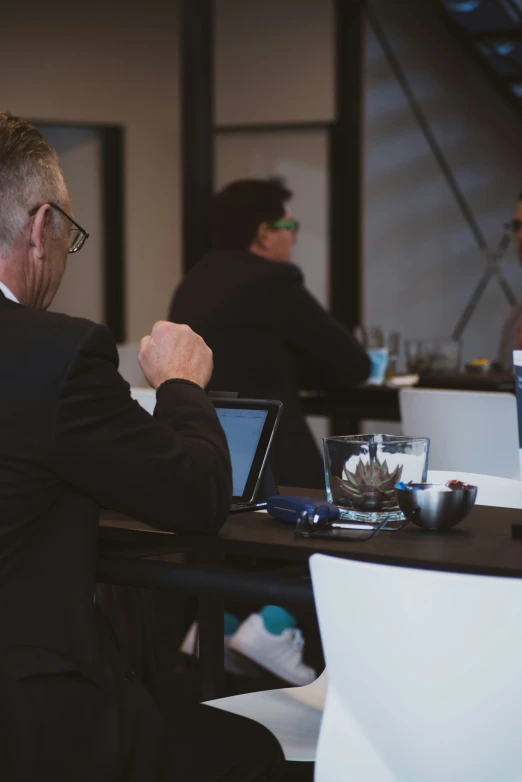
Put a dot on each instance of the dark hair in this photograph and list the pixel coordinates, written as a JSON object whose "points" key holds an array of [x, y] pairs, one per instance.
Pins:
{"points": [[239, 209]]}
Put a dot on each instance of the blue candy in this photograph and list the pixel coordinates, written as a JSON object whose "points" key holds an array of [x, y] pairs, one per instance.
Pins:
{"points": [[401, 485]]}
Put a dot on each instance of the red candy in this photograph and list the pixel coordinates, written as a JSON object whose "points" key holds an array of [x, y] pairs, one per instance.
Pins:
{"points": [[455, 484]]}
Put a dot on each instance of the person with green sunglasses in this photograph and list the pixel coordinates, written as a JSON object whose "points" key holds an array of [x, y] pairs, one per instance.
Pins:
{"points": [[269, 335]]}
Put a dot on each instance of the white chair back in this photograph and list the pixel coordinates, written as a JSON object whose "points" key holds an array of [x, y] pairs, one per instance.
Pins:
{"points": [[500, 492], [129, 367], [146, 397], [475, 431], [425, 674]]}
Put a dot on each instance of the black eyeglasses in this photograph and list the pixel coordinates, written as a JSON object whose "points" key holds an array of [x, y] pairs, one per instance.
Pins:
{"points": [[513, 225], [77, 234]]}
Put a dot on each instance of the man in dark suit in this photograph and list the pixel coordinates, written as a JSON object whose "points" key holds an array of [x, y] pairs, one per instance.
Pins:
{"points": [[72, 440], [270, 337]]}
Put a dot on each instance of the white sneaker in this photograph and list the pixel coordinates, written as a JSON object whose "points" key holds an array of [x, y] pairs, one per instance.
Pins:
{"points": [[280, 654], [234, 663]]}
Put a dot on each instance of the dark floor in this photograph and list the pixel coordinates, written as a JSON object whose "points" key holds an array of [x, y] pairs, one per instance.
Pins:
{"points": [[152, 625]]}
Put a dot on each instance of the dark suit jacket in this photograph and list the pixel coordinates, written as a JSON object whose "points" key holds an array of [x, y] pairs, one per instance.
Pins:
{"points": [[71, 440], [270, 338]]}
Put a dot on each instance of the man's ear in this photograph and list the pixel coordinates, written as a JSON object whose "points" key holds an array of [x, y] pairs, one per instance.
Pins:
{"points": [[39, 236], [262, 237]]}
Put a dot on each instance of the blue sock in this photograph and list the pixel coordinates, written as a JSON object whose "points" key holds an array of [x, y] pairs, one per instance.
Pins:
{"points": [[276, 620], [231, 624]]}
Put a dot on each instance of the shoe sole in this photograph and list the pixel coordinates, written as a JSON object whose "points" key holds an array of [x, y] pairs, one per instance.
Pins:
{"points": [[274, 672], [244, 666]]}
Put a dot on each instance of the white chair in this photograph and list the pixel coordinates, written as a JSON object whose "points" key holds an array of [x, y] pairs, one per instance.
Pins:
{"points": [[500, 492], [475, 431], [129, 367], [424, 674], [293, 715], [146, 397]]}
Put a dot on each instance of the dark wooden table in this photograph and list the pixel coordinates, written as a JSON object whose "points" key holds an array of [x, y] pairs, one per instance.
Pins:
{"points": [[481, 544], [382, 402]]}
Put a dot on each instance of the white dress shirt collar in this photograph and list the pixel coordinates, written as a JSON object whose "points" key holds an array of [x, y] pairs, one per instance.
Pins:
{"points": [[7, 293]]}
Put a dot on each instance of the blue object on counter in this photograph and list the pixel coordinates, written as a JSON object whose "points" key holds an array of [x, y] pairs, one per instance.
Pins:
{"points": [[379, 362], [402, 486], [290, 508]]}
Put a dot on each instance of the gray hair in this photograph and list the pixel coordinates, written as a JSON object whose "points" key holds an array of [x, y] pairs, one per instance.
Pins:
{"points": [[30, 176]]}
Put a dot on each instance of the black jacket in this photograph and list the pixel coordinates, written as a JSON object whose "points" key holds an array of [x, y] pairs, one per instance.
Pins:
{"points": [[72, 440], [270, 338]]}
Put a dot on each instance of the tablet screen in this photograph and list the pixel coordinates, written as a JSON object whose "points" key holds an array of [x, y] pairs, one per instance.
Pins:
{"points": [[249, 426], [243, 431]]}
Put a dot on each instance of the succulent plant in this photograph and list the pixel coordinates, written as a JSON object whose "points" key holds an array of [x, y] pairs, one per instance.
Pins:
{"points": [[370, 487]]}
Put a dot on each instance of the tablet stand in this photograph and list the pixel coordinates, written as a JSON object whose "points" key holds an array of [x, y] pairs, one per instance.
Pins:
{"points": [[267, 486]]}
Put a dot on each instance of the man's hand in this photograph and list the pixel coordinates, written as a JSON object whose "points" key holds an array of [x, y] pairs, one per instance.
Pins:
{"points": [[174, 350]]}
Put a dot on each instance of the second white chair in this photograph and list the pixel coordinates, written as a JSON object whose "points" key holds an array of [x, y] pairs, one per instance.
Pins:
{"points": [[424, 674], [469, 430]]}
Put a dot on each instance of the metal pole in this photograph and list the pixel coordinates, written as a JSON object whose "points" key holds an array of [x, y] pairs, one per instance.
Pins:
{"points": [[197, 120], [345, 165]]}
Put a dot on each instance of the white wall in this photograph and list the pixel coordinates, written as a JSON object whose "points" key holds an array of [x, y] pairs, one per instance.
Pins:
{"points": [[274, 61], [111, 63], [421, 262]]}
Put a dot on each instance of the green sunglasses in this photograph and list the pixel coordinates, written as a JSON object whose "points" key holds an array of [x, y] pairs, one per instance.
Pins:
{"points": [[291, 225]]}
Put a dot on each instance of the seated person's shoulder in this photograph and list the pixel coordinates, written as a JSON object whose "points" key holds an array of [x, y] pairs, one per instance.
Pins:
{"points": [[283, 273], [64, 333], [281, 284]]}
